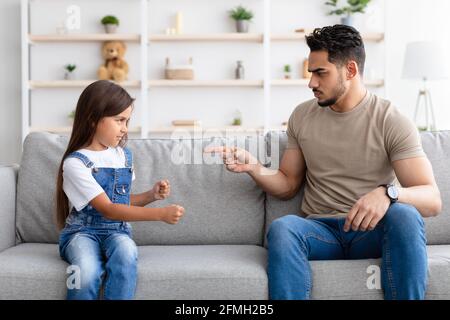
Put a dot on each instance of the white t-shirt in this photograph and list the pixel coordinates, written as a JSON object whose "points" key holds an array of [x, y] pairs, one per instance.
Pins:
{"points": [[79, 184]]}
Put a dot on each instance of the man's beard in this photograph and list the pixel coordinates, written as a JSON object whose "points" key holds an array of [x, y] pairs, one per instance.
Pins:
{"points": [[338, 91]]}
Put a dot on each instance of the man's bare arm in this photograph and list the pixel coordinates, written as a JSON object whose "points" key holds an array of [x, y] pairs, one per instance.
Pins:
{"points": [[283, 183], [419, 187]]}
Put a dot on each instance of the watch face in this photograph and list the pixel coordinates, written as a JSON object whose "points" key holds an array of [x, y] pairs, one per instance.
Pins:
{"points": [[392, 192]]}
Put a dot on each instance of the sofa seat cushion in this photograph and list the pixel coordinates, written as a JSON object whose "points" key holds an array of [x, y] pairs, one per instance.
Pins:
{"points": [[32, 271], [202, 272], [347, 279], [35, 271]]}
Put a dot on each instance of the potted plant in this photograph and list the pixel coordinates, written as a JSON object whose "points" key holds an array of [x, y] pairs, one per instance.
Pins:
{"points": [[242, 16], [110, 23], [237, 121], [69, 75], [354, 6], [287, 71]]}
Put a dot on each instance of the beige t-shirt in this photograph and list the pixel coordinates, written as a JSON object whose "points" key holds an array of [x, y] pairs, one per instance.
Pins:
{"points": [[349, 154]]}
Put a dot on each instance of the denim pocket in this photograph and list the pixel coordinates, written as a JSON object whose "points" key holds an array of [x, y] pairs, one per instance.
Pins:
{"points": [[122, 189]]}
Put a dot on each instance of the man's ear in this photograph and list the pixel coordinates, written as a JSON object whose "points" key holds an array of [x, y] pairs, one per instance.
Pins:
{"points": [[352, 69]]}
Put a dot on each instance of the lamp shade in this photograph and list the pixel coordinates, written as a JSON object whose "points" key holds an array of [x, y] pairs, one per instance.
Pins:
{"points": [[425, 60]]}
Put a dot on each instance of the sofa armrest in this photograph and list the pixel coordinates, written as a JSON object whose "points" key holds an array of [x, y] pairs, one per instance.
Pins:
{"points": [[8, 178]]}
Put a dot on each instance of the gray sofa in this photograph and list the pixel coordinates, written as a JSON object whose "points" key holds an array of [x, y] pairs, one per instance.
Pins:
{"points": [[218, 249]]}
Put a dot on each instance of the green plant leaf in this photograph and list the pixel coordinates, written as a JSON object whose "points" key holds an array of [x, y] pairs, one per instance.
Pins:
{"points": [[353, 6], [110, 20], [241, 13], [70, 67]]}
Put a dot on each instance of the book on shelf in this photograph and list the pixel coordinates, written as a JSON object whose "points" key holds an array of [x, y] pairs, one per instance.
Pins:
{"points": [[186, 123]]}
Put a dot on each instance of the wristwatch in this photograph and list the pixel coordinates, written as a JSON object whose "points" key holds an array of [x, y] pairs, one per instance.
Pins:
{"points": [[391, 192]]}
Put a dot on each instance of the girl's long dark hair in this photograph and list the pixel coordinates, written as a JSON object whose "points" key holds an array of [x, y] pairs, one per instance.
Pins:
{"points": [[100, 99]]}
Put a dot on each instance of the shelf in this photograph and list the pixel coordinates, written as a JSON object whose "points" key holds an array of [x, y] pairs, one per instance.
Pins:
{"points": [[40, 84], [304, 82], [83, 37], [300, 36], [278, 128], [172, 129], [235, 129], [69, 129], [241, 83], [245, 37], [205, 83]]}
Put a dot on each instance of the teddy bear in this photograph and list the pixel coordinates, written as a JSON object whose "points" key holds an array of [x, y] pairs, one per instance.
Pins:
{"points": [[115, 67]]}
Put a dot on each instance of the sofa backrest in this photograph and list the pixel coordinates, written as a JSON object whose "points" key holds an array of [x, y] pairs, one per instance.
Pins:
{"points": [[437, 147], [220, 207]]}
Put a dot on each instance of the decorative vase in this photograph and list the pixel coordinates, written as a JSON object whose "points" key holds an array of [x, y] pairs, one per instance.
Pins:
{"points": [[110, 28], [347, 20], [69, 75], [240, 71], [242, 26]]}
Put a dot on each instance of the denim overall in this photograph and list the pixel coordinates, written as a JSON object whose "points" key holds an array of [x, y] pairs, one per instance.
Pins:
{"points": [[98, 248]]}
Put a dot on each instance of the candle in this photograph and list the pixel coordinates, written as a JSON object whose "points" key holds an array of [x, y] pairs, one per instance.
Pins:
{"points": [[179, 23]]}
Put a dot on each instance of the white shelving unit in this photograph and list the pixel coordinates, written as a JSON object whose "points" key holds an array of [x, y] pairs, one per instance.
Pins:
{"points": [[36, 38], [145, 85]]}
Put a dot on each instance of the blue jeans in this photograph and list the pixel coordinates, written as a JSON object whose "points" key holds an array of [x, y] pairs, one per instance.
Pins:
{"points": [[107, 254], [399, 239]]}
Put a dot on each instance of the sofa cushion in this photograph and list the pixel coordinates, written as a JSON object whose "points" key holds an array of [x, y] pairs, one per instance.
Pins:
{"points": [[202, 272], [36, 187], [348, 279], [32, 271], [437, 147], [276, 208], [35, 271], [220, 207]]}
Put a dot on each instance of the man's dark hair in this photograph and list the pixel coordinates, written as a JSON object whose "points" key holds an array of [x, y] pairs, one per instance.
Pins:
{"points": [[343, 43]]}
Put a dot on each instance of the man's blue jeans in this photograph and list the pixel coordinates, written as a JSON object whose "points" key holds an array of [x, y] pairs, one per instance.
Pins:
{"points": [[399, 239]]}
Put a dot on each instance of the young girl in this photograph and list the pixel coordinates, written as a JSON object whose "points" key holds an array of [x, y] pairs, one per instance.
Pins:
{"points": [[95, 174]]}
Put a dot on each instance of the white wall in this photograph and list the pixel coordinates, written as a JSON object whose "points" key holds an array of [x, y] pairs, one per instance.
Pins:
{"points": [[10, 102], [416, 20], [406, 20]]}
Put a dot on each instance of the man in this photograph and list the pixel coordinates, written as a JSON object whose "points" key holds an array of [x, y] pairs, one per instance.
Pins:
{"points": [[348, 145]]}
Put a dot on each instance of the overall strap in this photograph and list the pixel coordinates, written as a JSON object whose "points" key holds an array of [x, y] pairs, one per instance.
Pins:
{"points": [[88, 163], [128, 158]]}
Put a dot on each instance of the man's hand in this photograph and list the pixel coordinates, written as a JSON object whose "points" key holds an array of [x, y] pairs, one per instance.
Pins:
{"points": [[368, 211], [172, 214], [235, 159], [161, 190]]}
